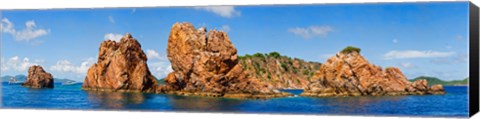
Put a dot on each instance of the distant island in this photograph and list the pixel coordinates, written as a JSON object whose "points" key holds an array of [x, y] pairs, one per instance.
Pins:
{"points": [[23, 78], [435, 80]]}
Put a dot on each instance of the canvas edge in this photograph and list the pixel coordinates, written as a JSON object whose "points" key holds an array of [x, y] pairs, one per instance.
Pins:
{"points": [[474, 59]]}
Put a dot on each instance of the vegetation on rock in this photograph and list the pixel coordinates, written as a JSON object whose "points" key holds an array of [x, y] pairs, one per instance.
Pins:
{"points": [[281, 72], [350, 49]]}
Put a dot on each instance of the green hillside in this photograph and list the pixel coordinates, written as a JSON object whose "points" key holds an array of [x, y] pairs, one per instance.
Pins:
{"points": [[434, 80], [279, 71]]}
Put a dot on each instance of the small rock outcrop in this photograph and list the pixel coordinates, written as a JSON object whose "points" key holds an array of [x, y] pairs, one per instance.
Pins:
{"points": [[121, 66], [350, 74], [38, 78], [206, 64]]}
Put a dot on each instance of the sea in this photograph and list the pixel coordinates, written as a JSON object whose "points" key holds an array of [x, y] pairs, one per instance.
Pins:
{"points": [[70, 97]]}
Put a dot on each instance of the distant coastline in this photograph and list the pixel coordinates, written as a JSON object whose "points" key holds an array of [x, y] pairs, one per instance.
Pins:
{"points": [[435, 80]]}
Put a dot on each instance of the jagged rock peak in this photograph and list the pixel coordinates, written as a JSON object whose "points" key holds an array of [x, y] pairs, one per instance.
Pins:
{"points": [[120, 66], [350, 74], [206, 64]]}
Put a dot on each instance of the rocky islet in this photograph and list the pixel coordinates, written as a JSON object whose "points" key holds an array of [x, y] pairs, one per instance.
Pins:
{"points": [[348, 73], [38, 78]]}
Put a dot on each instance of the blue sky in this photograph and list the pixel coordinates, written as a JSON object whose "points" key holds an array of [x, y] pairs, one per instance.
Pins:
{"points": [[420, 38]]}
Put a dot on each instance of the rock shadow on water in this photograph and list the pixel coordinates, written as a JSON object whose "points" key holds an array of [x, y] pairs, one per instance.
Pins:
{"points": [[204, 104]]}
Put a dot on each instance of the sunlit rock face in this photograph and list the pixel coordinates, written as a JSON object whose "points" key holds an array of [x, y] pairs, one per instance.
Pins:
{"points": [[121, 66], [350, 74], [205, 63], [38, 78]]}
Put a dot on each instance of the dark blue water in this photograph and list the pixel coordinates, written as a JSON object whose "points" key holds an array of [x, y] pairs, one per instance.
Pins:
{"points": [[452, 104]]}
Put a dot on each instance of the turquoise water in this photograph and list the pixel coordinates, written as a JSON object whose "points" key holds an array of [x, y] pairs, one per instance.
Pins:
{"points": [[452, 104]]}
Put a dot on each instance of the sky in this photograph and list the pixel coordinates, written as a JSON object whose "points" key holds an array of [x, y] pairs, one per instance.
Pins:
{"points": [[422, 39]]}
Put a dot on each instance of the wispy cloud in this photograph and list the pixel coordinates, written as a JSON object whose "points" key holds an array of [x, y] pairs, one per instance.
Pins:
{"points": [[311, 31], [459, 38], [448, 47], [113, 36], [65, 66], [460, 58], [27, 34], [407, 65], [407, 54], [154, 55], [224, 11], [395, 40], [111, 19], [226, 28]]}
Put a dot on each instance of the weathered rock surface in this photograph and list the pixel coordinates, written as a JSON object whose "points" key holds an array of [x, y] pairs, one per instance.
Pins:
{"points": [[206, 64], [38, 78], [121, 66], [281, 72], [350, 74]]}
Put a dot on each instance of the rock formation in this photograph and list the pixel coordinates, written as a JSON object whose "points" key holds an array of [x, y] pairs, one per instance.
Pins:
{"points": [[38, 78], [121, 66], [206, 64], [350, 74], [281, 72]]}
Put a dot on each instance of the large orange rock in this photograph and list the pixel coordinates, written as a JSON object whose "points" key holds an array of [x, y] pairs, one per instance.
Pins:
{"points": [[206, 64], [38, 78], [350, 74], [121, 66]]}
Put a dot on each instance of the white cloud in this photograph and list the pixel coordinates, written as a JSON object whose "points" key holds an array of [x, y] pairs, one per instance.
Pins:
{"points": [[224, 11], [66, 66], [407, 65], [160, 69], [30, 32], [112, 36], [395, 41], [311, 31], [415, 54], [15, 63], [152, 54], [226, 28], [158, 64], [111, 20]]}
